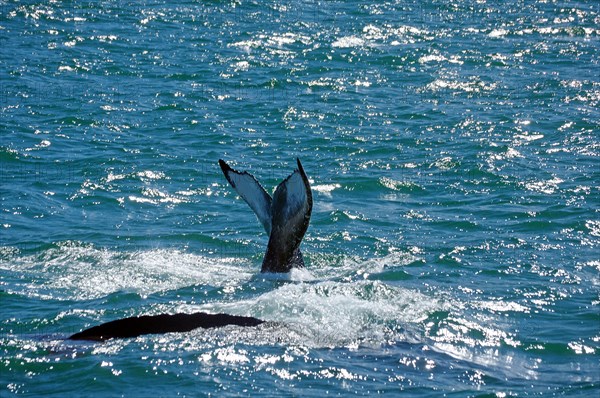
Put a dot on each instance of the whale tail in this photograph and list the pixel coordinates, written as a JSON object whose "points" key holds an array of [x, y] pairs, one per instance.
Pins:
{"points": [[285, 217]]}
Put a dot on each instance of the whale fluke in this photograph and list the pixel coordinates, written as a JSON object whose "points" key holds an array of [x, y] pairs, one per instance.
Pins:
{"points": [[248, 187], [164, 323], [285, 217]]}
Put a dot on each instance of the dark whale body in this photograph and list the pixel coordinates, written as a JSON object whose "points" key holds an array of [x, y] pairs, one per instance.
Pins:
{"points": [[156, 324], [285, 218]]}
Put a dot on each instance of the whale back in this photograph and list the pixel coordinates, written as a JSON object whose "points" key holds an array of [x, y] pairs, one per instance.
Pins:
{"points": [[163, 323]]}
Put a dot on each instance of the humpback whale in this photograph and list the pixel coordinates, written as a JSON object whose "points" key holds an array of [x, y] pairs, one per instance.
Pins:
{"points": [[285, 218]]}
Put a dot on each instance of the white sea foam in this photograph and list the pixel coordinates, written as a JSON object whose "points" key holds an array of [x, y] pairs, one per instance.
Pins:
{"points": [[326, 189], [332, 313], [543, 186], [348, 42], [496, 33], [75, 271], [471, 86]]}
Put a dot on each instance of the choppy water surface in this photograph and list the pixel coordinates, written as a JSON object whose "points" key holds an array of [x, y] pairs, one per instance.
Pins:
{"points": [[453, 150]]}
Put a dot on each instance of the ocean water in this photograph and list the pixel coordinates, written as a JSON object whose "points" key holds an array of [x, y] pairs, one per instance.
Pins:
{"points": [[453, 150]]}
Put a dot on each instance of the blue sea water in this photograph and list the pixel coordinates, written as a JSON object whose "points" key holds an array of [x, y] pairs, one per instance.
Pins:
{"points": [[453, 151]]}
